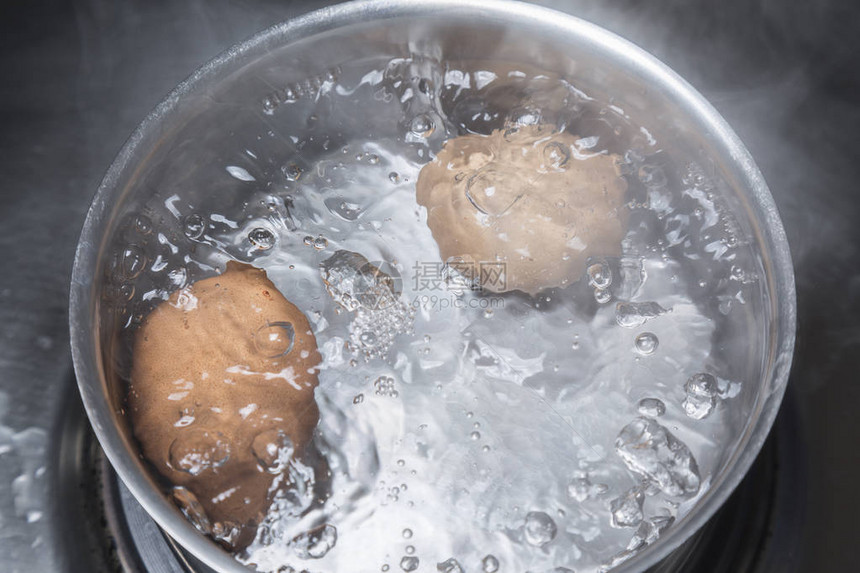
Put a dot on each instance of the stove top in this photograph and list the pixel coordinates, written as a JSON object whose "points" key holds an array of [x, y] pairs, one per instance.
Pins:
{"points": [[79, 75]]}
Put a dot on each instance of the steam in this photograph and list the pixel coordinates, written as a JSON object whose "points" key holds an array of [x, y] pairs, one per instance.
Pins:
{"points": [[783, 74]]}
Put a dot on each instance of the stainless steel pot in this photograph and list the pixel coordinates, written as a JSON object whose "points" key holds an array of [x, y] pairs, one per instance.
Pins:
{"points": [[450, 30]]}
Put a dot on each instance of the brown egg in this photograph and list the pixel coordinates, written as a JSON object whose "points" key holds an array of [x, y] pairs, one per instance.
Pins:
{"points": [[222, 395], [523, 208]]}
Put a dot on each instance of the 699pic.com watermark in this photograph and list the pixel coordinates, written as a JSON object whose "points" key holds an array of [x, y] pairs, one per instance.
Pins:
{"points": [[441, 285]]}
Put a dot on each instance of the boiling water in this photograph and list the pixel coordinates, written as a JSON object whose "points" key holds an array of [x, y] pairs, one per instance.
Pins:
{"points": [[466, 430]]}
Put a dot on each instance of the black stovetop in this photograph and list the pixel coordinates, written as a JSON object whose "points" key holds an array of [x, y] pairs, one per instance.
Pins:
{"points": [[79, 75]]}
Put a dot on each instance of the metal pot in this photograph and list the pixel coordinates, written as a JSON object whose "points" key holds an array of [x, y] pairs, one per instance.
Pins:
{"points": [[449, 30]]}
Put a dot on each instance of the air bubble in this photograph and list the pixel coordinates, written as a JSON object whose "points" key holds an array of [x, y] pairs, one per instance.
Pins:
{"points": [[555, 155], [143, 224], [367, 338], [191, 508], [270, 104], [652, 407], [634, 314], [274, 339], [273, 450], [196, 451], [487, 191], [649, 531], [737, 273], [581, 489], [291, 94], [602, 296], [409, 563], [385, 386], [132, 262], [449, 566], [358, 399], [343, 209], [126, 291], [627, 508], [262, 239], [489, 564], [539, 529], [177, 277], [226, 531], [525, 115], [320, 243], [119, 293], [315, 543], [652, 176], [646, 343], [701, 395], [599, 275], [649, 449], [292, 172], [422, 126], [394, 177], [332, 74], [194, 226]]}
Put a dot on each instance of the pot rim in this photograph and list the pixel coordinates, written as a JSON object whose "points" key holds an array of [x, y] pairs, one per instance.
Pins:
{"points": [[82, 307]]}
